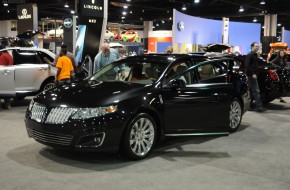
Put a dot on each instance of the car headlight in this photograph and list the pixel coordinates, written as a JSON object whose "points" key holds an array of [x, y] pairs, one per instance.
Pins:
{"points": [[30, 105], [85, 113]]}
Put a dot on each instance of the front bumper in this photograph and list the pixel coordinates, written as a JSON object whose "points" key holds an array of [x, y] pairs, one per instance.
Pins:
{"points": [[85, 135]]}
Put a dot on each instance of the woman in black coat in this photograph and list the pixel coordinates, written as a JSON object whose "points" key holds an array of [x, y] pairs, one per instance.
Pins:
{"points": [[280, 60]]}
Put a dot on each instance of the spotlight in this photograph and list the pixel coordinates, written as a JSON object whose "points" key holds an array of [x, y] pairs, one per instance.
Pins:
{"points": [[66, 5], [125, 7], [196, 1], [5, 4], [279, 24], [241, 9], [124, 13], [72, 12], [262, 2], [255, 19], [183, 7]]}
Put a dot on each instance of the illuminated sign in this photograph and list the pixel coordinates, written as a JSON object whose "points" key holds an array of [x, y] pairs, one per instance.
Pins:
{"points": [[24, 15], [180, 26], [92, 8], [67, 22]]}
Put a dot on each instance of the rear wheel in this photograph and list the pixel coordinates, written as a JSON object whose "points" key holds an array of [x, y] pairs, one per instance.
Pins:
{"points": [[235, 115], [139, 137]]}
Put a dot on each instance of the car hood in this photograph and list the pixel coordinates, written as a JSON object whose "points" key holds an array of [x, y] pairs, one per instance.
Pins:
{"points": [[216, 47], [88, 94]]}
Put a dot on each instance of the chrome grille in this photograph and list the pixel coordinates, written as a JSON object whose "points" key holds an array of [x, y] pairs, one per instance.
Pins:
{"points": [[50, 137], [59, 115], [38, 112]]}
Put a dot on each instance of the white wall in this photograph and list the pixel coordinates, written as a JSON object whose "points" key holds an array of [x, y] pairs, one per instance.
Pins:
{"points": [[5, 29]]}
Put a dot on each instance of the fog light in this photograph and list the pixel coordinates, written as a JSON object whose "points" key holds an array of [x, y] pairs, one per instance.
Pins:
{"points": [[91, 141]]}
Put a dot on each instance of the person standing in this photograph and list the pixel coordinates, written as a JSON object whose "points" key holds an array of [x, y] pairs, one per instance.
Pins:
{"points": [[70, 55], [251, 66], [6, 60], [64, 68], [105, 57], [280, 61]]}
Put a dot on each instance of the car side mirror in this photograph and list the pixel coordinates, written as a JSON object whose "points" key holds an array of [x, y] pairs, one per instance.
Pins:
{"points": [[177, 83]]}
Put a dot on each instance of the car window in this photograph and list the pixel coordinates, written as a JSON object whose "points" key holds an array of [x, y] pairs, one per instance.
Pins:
{"points": [[42, 55], [213, 72], [26, 57], [179, 71], [133, 72]]}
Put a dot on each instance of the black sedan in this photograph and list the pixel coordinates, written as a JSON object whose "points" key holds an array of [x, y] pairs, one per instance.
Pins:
{"points": [[273, 80], [161, 95]]}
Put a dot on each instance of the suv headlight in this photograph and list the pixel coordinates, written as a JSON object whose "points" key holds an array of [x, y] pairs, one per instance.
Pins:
{"points": [[85, 113]]}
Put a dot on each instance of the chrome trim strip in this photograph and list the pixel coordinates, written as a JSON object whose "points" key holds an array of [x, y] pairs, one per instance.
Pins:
{"points": [[50, 137], [196, 134]]}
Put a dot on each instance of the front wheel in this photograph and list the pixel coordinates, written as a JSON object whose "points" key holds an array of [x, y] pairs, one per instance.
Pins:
{"points": [[139, 137], [235, 115], [48, 85]]}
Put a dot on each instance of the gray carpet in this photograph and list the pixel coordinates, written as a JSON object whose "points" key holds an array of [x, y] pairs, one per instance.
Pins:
{"points": [[255, 157]]}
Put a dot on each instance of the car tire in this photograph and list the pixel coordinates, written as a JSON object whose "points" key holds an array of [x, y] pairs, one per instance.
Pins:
{"points": [[235, 116], [47, 85], [139, 137]]}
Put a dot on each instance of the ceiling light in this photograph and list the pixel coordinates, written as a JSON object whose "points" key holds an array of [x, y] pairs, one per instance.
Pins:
{"points": [[125, 7], [8, 11], [124, 13], [170, 18], [157, 24], [131, 12], [163, 21], [183, 7], [72, 12], [255, 19], [122, 17], [66, 5], [196, 1], [279, 24], [5, 4], [128, 0], [241, 9], [262, 2]]}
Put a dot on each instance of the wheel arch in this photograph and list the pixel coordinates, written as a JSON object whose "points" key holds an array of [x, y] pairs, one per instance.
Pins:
{"points": [[49, 79]]}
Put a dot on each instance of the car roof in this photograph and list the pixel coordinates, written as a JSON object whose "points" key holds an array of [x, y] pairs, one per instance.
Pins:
{"points": [[164, 58], [30, 49]]}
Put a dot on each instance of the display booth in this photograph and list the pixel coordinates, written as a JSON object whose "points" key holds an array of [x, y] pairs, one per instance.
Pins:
{"points": [[194, 31]]}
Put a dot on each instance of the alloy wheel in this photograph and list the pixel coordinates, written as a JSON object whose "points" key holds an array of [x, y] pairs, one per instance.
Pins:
{"points": [[235, 115], [142, 136]]}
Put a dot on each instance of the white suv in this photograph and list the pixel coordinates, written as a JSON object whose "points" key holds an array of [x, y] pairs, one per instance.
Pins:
{"points": [[29, 75]]}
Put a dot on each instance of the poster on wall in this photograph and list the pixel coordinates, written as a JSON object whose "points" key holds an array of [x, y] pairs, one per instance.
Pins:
{"points": [[80, 42]]}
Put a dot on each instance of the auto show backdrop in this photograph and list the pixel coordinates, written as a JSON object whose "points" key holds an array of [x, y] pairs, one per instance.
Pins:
{"points": [[159, 40], [92, 23], [194, 30], [286, 37]]}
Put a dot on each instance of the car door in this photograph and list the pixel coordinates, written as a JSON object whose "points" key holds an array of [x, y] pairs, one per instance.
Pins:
{"points": [[198, 107], [7, 85], [30, 71]]}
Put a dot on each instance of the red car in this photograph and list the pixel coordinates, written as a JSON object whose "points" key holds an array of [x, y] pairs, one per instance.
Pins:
{"points": [[128, 36]]}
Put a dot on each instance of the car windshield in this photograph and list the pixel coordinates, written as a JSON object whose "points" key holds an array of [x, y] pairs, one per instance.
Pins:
{"points": [[133, 72]]}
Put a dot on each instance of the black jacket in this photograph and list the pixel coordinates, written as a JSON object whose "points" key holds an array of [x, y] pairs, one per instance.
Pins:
{"points": [[251, 64]]}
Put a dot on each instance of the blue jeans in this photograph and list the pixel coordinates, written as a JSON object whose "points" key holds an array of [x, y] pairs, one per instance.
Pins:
{"points": [[255, 91]]}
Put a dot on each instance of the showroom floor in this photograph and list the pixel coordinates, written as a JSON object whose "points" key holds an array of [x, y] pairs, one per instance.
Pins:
{"points": [[255, 157]]}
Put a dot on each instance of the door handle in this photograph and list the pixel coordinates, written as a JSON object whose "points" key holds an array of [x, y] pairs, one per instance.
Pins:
{"points": [[6, 72]]}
